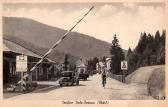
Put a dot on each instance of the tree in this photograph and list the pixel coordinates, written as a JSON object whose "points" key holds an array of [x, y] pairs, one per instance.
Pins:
{"points": [[72, 67], [163, 37], [117, 55], [66, 62], [149, 51], [157, 37], [95, 61], [161, 49], [104, 59], [142, 43], [151, 41], [129, 52], [132, 61], [89, 67]]}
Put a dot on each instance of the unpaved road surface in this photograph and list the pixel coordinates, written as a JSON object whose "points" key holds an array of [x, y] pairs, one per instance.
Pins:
{"points": [[142, 75], [92, 89]]}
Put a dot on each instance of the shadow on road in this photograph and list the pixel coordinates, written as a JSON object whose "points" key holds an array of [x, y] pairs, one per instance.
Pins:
{"points": [[10, 94], [75, 85], [85, 80], [45, 90], [112, 88]]}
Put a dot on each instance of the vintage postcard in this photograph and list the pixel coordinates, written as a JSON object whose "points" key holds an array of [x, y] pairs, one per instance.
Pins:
{"points": [[82, 53]]}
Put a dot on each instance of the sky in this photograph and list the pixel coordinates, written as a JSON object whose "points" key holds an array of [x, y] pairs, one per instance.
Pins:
{"points": [[126, 20]]}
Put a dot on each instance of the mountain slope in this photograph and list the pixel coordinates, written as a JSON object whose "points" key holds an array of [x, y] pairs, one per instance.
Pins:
{"points": [[54, 56], [44, 36]]}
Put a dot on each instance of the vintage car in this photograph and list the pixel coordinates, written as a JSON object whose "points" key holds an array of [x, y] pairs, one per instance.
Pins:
{"points": [[68, 78]]}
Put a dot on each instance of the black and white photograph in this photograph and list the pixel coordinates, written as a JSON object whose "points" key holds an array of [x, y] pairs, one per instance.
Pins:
{"points": [[79, 52]]}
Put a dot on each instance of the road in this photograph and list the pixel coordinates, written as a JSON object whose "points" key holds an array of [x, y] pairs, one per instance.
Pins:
{"points": [[136, 88], [89, 90], [142, 74]]}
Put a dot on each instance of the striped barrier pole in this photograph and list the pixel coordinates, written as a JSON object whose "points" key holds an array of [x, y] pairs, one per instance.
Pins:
{"points": [[55, 45]]}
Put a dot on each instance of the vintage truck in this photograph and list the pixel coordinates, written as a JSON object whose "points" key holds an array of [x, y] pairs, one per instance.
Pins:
{"points": [[68, 78], [83, 75]]}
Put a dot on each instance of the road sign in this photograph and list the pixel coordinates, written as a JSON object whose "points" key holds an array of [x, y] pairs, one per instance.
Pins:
{"points": [[124, 65], [21, 63]]}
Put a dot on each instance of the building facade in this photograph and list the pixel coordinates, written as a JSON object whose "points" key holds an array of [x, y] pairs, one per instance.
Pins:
{"points": [[47, 70]]}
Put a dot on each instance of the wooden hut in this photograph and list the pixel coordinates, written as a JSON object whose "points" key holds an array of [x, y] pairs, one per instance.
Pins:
{"points": [[81, 66]]}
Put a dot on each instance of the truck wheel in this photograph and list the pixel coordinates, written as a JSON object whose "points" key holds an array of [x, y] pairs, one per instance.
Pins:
{"points": [[72, 84], [69, 84], [77, 82], [13, 90]]}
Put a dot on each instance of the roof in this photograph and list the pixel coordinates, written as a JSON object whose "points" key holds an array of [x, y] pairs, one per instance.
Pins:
{"points": [[9, 46], [108, 59], [81, 65], [5, 48], [81, 62]]}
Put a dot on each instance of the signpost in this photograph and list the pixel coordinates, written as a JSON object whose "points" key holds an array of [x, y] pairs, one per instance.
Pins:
{"points": [[21, 63], [124, 68], [21, 67]]}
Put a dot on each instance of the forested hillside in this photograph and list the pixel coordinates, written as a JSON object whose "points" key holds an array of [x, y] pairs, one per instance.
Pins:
{"points": [[149, 51]]}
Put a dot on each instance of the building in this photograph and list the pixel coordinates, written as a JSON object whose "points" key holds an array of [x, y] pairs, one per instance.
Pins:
{"points": [[46, 71], [81, 66], [108, 63], [103, 65], [100, 66]]}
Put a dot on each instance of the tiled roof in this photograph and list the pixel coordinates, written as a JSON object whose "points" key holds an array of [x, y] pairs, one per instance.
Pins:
{"points": [[81, 63], [9, 46]]}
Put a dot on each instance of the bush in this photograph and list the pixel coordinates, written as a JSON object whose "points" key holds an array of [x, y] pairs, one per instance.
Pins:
{"points": [[156, 84]]}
